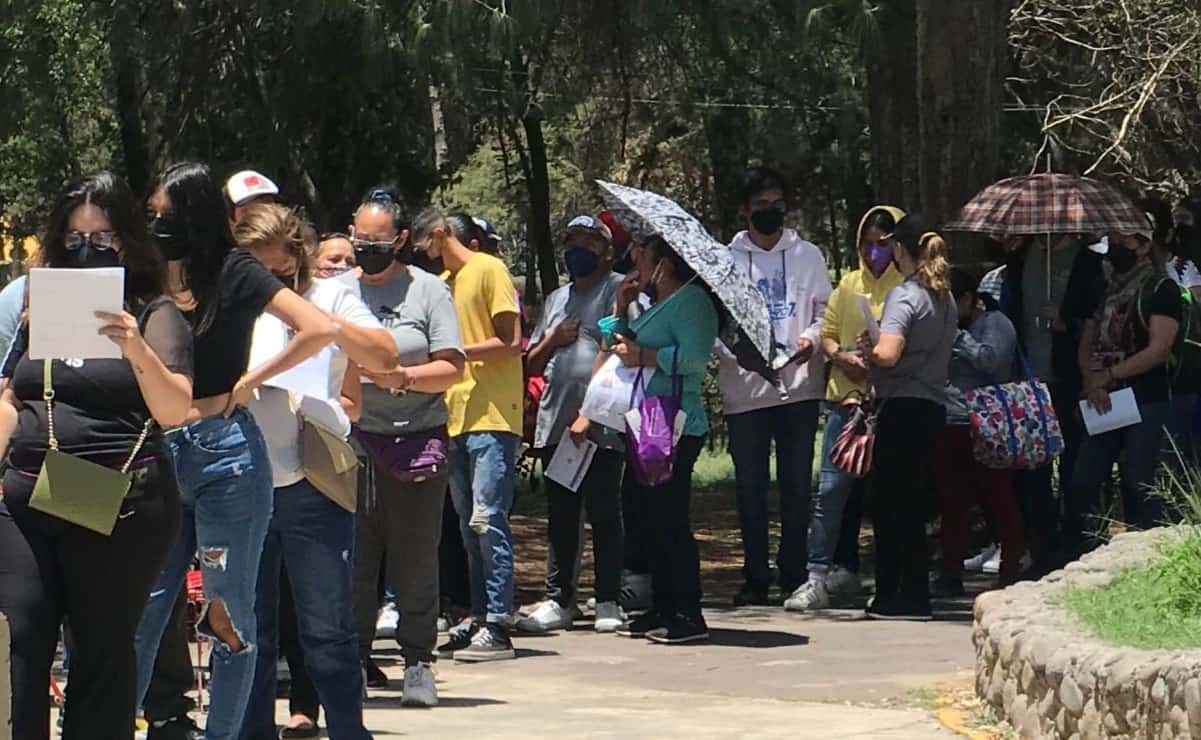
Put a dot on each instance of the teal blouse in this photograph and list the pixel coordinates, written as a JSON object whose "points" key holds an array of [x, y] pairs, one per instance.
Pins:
{"points": [[683, 328]]}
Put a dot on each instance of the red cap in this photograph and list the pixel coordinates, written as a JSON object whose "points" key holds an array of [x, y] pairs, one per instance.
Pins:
{"points": [[621, 237]]}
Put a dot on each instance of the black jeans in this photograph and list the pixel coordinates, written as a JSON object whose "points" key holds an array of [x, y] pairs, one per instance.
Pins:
{"points": [[600, 497], [302, 694], [636, 557], [51, 570], [173, 675], [902, 465], [674, 559], [846, 554], [454, 578], [402, 523]]}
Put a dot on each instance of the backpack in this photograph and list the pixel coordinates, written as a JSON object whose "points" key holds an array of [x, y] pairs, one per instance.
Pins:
{"points": [[1184, 362]]}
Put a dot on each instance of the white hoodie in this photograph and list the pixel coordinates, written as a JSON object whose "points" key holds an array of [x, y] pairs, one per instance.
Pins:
{"points": [[796, 285]]}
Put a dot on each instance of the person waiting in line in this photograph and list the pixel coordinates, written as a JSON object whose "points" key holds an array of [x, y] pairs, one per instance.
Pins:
{"points": [[484, 423], [1126, 345], [675, 335], [219, 455], [335, 255], [403, 431], [108, 412], [791, 275], [909, 365], [983, 355], [846, 389], [310, 535], [565, 346]]}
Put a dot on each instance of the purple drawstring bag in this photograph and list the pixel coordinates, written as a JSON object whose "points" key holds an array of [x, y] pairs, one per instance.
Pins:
{"points": [[651, 449]]}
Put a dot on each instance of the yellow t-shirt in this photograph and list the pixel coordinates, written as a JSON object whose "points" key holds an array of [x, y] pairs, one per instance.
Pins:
{"points": [[489, 396]]}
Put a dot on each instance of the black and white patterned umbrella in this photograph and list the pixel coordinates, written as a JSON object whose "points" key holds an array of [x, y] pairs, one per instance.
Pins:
{"points": [[749, 332]]}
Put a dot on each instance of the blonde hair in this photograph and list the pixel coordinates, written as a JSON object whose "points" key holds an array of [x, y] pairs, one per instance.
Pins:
{"points": [[272, 224], [933, 269]]}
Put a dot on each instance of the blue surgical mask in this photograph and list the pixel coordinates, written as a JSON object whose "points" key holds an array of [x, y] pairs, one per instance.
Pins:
{"points": [[581, 262]]}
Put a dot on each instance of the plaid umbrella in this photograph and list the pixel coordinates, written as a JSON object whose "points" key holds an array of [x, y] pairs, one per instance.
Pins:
{"points": [[1049, 203]]}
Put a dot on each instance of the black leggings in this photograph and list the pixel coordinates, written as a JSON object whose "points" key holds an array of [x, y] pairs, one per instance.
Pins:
{"points": [[674, 558], [51, 570]]}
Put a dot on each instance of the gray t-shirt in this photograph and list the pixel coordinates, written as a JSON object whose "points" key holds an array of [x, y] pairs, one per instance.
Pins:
{"points": [[928, 325], [417, 308], [570, 368]]}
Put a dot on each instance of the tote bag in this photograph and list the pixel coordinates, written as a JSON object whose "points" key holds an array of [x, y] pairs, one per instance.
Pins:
{"points": [[1014, 425]]}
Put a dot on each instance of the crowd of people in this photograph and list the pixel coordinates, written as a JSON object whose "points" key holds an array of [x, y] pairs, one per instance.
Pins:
{"points": [[328, 429]]}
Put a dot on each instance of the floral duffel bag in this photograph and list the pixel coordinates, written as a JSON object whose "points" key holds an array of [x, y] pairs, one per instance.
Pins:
{"points": [[1014, 426]]}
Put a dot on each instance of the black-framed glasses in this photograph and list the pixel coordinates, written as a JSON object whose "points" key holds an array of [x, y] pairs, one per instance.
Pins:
{"points": [[366, 245], [94, 239]]}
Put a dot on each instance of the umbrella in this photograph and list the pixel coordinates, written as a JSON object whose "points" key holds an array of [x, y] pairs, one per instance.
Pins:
{"points": [[1049, 203], [652, 214]]}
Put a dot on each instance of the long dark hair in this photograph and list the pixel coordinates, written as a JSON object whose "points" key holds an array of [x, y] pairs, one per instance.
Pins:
{"points": [[144, 269], [203, 222]]}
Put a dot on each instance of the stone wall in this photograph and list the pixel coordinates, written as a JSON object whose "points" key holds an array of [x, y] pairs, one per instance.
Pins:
{"points": [[1040, 668]]}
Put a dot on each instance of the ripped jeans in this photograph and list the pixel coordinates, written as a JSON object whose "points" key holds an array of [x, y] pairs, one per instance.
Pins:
{"points": [[226, 491]]}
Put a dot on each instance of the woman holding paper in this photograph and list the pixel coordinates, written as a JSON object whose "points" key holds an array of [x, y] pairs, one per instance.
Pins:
{"points": [[102, 413], [310, 535], [1125, 349], [909, 368], [219, 454]]}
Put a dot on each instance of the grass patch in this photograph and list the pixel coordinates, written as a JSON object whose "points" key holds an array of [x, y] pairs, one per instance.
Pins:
{"points": [[1157, 606]]}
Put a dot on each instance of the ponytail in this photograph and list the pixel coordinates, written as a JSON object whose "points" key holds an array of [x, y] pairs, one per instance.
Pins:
{"points": [[933, 269]]}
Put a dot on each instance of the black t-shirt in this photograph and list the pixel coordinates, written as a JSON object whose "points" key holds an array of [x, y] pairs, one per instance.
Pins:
{"points": [[222, 351], [98, 408], [1159, 300]]}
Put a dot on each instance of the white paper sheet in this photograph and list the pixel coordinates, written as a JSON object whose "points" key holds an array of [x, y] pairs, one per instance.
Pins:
{"points": [[1124, 413], [869, 319], [609, 393], [62, 308], [570, 463]]}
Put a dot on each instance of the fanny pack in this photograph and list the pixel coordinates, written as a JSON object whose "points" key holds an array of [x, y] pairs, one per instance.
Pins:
{"points": [[77, 490], [412, 458], [329, 463]]}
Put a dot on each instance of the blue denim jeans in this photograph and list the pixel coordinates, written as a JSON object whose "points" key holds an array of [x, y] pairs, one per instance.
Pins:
{"points": [[1142, 444], [833, 489], [793, 426], [225, 488], [483, 470], [314, 538]]}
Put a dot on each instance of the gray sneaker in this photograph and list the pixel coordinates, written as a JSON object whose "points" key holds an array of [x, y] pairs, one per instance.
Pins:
{"points": [[490, 643], [420, 689], [810, 596]]}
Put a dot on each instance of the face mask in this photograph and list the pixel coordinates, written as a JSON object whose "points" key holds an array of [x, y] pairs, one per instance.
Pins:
{"points": [[329, 272], [165, 233], [1121, 258], [372, 262], [652, 288], [89, 255], [878, 258], [425, 262], [767, 220], [581, 262]]}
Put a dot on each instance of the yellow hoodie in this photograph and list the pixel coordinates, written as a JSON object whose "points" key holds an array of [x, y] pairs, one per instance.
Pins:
{"points": [[844, 318]]}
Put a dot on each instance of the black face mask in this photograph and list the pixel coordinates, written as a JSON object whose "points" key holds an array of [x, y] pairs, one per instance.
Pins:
{"points": [[166, 234], [427, 263], [373, 262], [1121, 258], [767, 220], [89, 255]]}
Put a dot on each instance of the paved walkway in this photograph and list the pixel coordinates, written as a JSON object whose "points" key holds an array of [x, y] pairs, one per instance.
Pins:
{"points": [[766, 673]]}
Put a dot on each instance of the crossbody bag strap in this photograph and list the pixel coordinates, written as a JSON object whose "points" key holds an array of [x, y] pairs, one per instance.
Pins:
{"points": [[48, 397]]}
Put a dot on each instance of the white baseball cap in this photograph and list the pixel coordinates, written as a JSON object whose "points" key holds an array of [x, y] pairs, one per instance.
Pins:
{"points": [[248, 185]]}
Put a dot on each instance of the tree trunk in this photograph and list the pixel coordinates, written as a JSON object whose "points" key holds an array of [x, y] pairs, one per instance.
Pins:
{"points": [[127, 79], [891, 61], [538, 188], [438, 121], [727, 141], [960, 71]]}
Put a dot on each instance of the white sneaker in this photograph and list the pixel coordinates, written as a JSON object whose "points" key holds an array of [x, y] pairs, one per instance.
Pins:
{"points": [[976, 562], [388, 621], [420, 689], [478, 522], [549, 616], [993, 564], [810, 596], [608, 617], [842, 582]]}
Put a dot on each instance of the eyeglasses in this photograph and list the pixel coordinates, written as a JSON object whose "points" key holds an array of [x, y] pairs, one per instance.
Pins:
{"points": [[94, 239], [365, 245]]}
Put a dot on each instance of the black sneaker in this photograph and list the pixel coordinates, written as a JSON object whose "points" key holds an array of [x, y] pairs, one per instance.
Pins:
{"points": [[176, 728], [752, 594], [460, 637], [947, 587], [490, 643], [899, 612], [639, 626], [374, 675], [680, 631]]}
